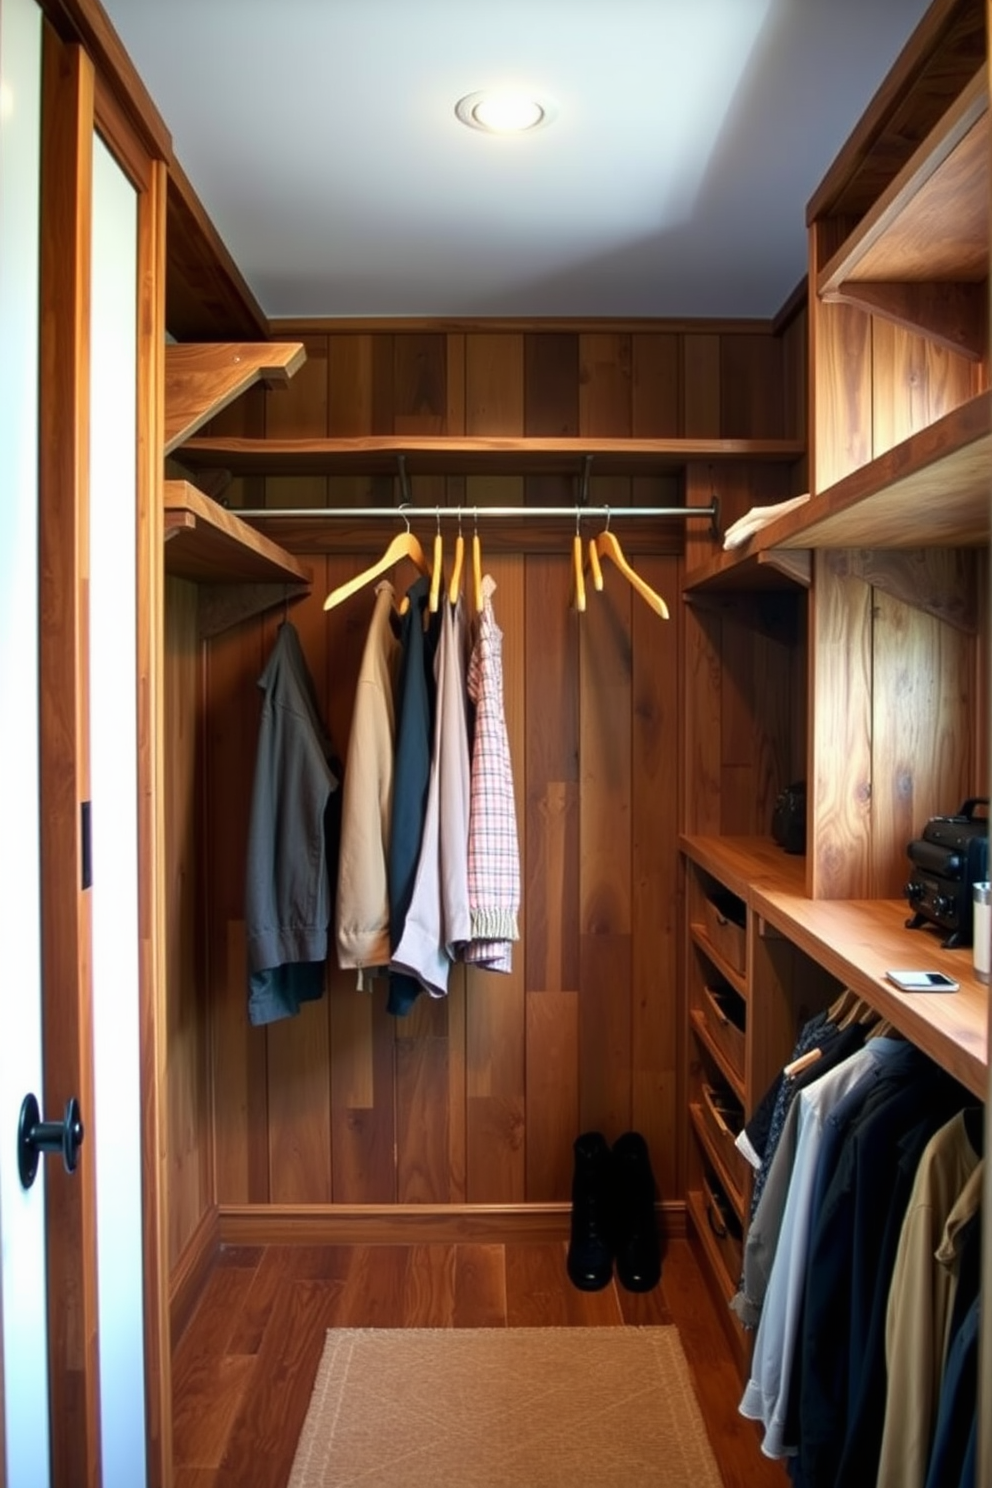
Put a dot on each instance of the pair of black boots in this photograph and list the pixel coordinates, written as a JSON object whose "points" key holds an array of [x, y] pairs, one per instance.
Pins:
{"points": [[613, 1215]]}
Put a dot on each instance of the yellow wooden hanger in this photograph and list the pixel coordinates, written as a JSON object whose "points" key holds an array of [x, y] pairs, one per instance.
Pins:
{"points": [[403, 545], [455, 586], [580, 578], [607, 546], [435, 594]]}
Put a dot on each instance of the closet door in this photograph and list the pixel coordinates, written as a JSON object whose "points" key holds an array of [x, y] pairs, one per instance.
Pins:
{"points": [[24, 1425], [100, 468]]}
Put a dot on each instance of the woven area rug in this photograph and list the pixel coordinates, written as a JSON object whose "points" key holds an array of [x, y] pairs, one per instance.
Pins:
{"points": [[503, 1408]]}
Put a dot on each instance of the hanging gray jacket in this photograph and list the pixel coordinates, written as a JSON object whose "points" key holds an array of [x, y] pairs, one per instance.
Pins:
{"points": [[291, 840]]}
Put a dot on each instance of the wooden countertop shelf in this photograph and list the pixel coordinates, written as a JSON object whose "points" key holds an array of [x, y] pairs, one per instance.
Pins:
{"points": [[210, 545], [928, 229], [451, 455], [857, 941], [203, 378]]}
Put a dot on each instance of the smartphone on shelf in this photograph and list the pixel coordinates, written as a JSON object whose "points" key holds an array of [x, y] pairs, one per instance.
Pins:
{"points": [[922, 981]]}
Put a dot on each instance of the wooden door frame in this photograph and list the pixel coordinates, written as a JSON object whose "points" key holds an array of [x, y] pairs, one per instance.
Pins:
{"points": [[76, 103]]}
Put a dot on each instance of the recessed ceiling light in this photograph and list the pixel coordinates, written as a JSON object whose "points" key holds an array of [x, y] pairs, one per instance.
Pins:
{"points": [[504, 112]]}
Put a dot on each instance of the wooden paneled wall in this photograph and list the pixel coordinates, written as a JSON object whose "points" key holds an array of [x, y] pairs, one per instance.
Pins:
{"points": [[476, 1098], [898, 735]]}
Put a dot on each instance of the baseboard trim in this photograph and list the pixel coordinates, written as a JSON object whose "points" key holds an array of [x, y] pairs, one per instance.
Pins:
{"points": [[190, 1272], [406, 1224]]}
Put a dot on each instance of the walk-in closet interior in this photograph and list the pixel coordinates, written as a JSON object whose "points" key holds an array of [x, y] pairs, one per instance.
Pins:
{"points": [[671, 950]]}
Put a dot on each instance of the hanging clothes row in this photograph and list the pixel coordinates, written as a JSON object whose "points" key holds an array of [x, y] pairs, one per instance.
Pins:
{"points": [[430, 871], [861, 1261], [407, 860]]}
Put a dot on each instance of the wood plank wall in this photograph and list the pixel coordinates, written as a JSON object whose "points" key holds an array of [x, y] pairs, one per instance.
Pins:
{"points": [[477, 1098], [897, 736]]}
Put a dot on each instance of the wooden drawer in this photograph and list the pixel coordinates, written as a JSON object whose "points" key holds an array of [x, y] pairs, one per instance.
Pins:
{"points": [[722, 1117], [725, 918], [724, 1016], [724, 1226]]}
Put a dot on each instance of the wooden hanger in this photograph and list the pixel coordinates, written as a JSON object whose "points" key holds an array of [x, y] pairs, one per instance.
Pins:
{"points": [[607, 546], [403, 545], [580, 578], [435, 594], [476, 571], [841, 1006], [455, 587]]}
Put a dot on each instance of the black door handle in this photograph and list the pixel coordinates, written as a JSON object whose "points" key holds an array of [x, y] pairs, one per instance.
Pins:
{"points": [[35, 1136]]}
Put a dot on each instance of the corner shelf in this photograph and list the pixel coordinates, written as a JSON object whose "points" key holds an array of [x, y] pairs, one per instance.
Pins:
{"points": [[921, 253], [930, 490], [210, 545], [203, 378]]}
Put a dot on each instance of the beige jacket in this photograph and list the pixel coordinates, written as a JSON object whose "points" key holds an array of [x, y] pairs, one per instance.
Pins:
{"points": [[362, 917]]}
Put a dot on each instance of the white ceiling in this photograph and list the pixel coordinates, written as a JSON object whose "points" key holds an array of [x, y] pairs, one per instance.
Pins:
{"points": [[321, 138]]}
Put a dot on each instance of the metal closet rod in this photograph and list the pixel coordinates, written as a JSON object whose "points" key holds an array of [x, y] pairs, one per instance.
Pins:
{"points": [[577, 513]]}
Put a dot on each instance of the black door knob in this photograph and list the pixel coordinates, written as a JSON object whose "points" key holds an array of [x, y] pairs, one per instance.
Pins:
{"points": [[35, 1136]]}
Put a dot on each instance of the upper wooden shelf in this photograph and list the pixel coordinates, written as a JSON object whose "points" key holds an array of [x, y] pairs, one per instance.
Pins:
{"points": [[210, 545], [203, 378], [857, 941], [454, 455], [932, 490], [920, 255], [932, 222]]}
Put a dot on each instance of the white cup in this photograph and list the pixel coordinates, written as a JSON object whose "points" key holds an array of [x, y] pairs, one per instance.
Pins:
{"points": [[981, 937]]}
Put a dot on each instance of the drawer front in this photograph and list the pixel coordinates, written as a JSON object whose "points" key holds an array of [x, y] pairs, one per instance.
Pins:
{"points": [[722, 1119], [724, 1014], [725, 1227], [726, 930]]}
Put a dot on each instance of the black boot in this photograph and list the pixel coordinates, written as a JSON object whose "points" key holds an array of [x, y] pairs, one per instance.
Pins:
{"points": [[637, 1248], [590, 1260]]}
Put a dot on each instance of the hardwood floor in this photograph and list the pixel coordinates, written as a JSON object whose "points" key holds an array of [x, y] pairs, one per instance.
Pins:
{"points": [[244, 1367]]}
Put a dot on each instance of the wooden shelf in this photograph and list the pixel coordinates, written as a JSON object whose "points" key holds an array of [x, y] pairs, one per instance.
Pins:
{"points": [[930, 490], [203, 378], [857, 941], [444, 455], [210, 545], [740, 862], [928, 230]]}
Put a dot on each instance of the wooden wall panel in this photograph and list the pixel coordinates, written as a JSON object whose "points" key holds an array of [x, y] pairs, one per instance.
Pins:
{"points": [[478, 1098], [656, 1005], [494, 384], [751, 390], [495, 1010], [188, 1096], [655, 386], [915, 383], [839, 782], [922, 672], [605, 384], [605, 890], [701, 386], [551, 385]]}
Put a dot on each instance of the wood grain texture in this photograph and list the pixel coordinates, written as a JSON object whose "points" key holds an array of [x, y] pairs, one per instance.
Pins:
{"points": [[921, 676], [839, 787], [462, 1285], [656, 902], [921, 382], [656, 385], [605, 384], [63, 660], [701, 386], [494, 384], [201, 378], [551, 385], [187, 1100]]}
